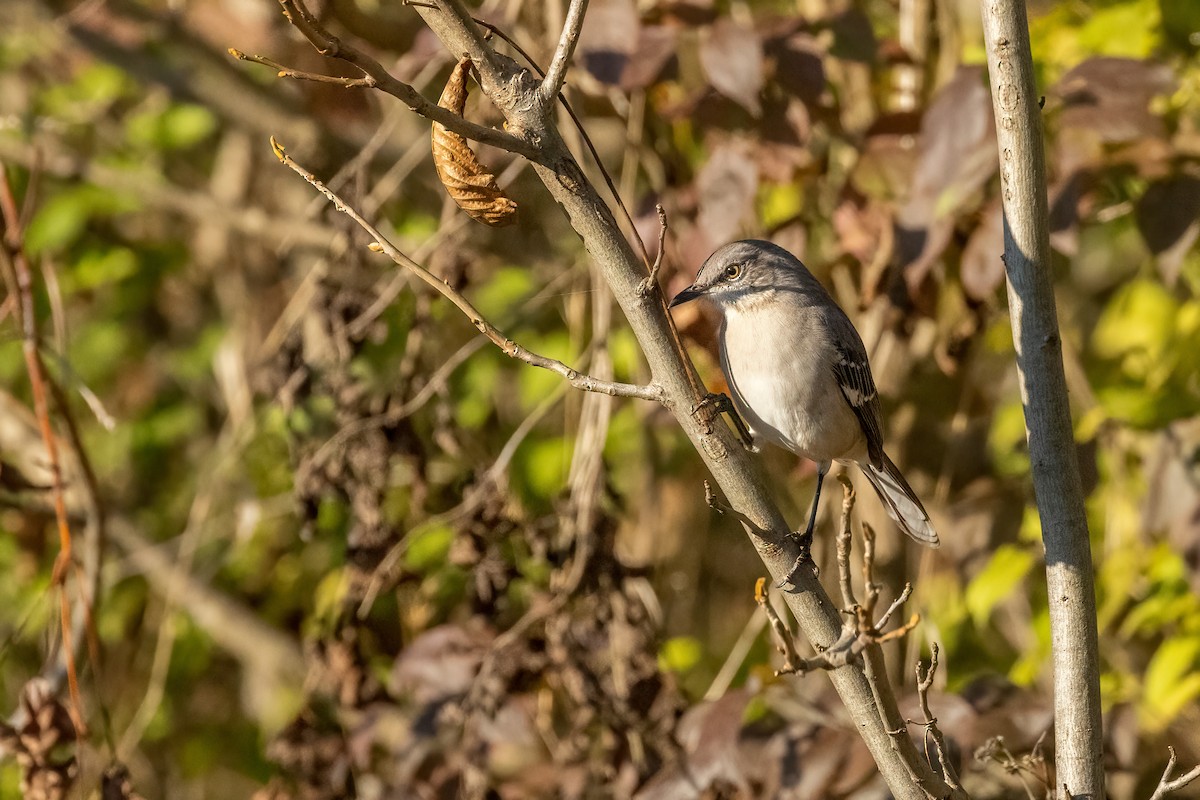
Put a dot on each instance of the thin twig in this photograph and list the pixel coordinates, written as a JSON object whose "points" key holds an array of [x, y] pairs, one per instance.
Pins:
{"points": [[924, 684], [1167, 784], [651, 283], [330, 46], [843, 545], [510, 348], [284, 71], [781, 635], [556, 74], [721, 507]]}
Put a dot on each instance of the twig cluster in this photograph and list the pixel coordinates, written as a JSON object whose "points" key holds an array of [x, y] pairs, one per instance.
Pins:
{"points": [[861, 629], [1032, 763]]}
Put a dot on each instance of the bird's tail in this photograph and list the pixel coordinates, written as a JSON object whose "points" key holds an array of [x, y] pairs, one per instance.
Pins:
{"points": [[901, 502]]}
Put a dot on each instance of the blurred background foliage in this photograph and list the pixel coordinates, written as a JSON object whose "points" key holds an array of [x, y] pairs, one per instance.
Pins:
{"points": [[363, 495]]}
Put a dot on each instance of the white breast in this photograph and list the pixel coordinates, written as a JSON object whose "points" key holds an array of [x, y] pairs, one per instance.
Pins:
{"points": [[779, 375]]}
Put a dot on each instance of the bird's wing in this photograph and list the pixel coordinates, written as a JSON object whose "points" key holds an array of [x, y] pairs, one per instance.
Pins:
{"points": [[853, 374]]}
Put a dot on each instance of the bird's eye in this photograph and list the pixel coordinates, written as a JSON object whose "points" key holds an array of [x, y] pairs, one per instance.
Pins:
{"points": [[733, 272]]}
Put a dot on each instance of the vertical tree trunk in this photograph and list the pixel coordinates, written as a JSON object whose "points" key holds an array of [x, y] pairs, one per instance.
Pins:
{"points": [[1048, 428]]}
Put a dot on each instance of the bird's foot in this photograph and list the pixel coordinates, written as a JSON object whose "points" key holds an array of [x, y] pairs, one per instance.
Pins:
{"points": [[721, 404], [803, 561]]}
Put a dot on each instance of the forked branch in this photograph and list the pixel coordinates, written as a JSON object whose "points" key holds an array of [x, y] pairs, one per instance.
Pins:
{"points": [[556, 75], [932, 731], [1167, 784], [375, 76]]}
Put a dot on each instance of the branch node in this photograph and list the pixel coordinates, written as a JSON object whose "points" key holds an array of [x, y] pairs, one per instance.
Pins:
{"points": [[650, 282]]}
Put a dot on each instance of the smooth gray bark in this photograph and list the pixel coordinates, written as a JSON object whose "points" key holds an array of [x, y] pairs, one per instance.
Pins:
{"points": [[1077, 722]]}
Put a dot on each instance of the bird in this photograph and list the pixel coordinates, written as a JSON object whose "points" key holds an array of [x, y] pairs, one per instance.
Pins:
{"points": [[798, 373]]}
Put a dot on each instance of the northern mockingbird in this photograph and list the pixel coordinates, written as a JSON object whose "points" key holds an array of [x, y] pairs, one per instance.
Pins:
{"points": [[798, 371]]}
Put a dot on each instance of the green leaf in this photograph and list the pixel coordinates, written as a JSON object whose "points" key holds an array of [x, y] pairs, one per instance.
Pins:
{"points": [[176, 127], [504, 292], [680, 654], [427, 549], [475, 390], [544, 465], [102, 267], [1006, 441], [537, 384], [778, 203], [1141, 316], [1172, 681], [1004, 572]]}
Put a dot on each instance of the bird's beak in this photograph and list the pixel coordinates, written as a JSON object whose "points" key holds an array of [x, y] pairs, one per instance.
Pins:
{"points": [[686, 296]]}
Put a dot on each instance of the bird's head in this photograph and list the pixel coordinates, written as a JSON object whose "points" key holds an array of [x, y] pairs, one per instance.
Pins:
{"points": [[743, 270]]}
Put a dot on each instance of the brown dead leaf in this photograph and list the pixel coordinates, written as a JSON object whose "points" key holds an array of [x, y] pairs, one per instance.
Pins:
{"points": [[732, 57], [467, 181]]}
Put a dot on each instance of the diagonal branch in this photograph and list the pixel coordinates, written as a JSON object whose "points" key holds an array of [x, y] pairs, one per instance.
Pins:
{"points": [[1168, 784], [556, 75], [329, 45], [284, 71], [510, 348]]}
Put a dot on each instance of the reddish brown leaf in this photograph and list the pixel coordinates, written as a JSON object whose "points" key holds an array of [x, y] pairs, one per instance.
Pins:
{"points": [[785, 130], [467, 181], [732, 57], [727, 185], [1111, 97], [1168, 216], [655, 49], [956, 154], [608, 39], [798, 66], [982, 267]]}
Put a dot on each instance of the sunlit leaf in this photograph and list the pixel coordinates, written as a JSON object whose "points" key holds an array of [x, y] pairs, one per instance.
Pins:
{"points": [[1005, 571]]}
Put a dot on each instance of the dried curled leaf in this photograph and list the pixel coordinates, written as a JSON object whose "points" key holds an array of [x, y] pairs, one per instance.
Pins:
{"points": [[466, 180]]}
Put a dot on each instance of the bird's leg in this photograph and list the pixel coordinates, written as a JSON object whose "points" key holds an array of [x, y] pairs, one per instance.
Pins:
{"points": [[723, 405], [804, 540]]}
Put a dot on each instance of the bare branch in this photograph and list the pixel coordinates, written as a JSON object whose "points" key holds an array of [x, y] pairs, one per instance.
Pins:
{"points": [[924, 684], [283, 71], [556, 75], [843, 544], [651, 283], [721, 507], [510, 348], [779, 631], [1167, 784], [329, 45]]}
